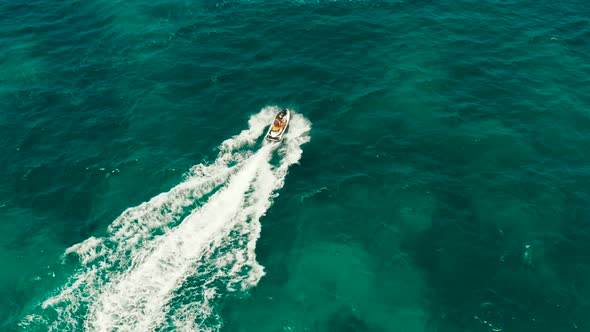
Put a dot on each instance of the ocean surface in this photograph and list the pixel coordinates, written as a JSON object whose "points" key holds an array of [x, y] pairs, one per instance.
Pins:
{"points": [[435, 175]]}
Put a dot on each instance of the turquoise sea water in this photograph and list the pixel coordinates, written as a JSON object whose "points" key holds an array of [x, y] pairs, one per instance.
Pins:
{"points": [[434, 177]]}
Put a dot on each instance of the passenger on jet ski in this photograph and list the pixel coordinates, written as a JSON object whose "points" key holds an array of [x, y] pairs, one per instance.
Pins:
{"points": [[278, 123]]}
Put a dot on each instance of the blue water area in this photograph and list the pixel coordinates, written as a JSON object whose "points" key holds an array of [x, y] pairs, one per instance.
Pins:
{"points": [[434, 177]]}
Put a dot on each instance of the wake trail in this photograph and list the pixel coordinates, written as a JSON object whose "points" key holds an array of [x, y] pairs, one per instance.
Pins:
{"points": [[142, 292], [165, 261]]}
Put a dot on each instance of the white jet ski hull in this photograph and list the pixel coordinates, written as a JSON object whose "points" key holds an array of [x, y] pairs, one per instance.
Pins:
{"points": [[277, 135]]}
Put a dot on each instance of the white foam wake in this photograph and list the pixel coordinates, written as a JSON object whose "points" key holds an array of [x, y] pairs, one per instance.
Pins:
{"points": [[166, 260]]}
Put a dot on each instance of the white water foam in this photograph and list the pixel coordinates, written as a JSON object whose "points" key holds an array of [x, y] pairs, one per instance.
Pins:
{"points": [[161, 266]]}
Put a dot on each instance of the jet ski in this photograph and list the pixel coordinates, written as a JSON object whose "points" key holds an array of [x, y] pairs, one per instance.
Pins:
{"points": [[278, 126]]}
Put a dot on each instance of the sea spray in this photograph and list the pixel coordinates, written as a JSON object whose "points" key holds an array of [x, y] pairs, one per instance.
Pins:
{"points": [[163, 266]]}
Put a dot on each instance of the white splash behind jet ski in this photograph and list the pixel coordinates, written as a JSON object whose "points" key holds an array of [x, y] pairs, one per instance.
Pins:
{"points": [[278, 126]]}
